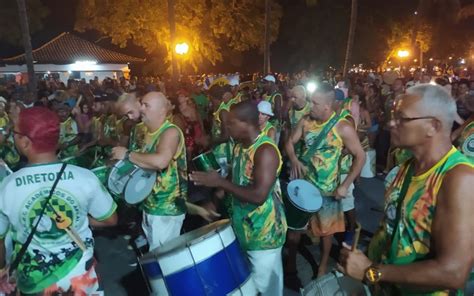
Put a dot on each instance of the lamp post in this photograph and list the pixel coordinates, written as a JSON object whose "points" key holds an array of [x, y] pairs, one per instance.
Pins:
{"points": [[181, 49], [402, 54]]}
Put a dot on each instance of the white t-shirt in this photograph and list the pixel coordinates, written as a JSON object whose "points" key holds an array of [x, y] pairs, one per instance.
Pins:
{"points": [[52, 253]]}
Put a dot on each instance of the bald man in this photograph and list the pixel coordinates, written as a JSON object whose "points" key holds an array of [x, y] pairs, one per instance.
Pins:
{"points": [[319, 165], [258, 217], [300, 107], [129, 105], [425, 242], [164, 151]]}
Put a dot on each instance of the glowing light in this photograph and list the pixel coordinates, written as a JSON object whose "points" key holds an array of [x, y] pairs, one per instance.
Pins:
{"points": [[416, 12], [182, 48], [49, 72], [431, 59], [389, 62], [450, 58], [311, 87], [432, 82], [415, 60], [403, 53], [85, 62], [463, 61]]}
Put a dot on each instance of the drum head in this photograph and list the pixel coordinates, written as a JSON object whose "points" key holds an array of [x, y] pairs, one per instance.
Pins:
{"points": [[189, 238], [304, 195], [119, 176], [139, 186]]}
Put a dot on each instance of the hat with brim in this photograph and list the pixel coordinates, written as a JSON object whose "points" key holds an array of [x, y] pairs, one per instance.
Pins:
{"points": [[265, 107], [269, 78]]}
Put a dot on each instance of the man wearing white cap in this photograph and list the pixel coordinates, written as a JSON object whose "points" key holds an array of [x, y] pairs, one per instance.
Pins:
{"points": [[264, 114], [276, 100]]}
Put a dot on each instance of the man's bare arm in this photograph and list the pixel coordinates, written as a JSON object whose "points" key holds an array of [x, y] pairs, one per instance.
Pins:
{"points": [[352, 144]]}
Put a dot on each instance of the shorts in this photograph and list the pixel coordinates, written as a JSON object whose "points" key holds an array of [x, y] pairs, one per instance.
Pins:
{"points": [[267, 271], [329, 219], [348, 201], [160, 229]]}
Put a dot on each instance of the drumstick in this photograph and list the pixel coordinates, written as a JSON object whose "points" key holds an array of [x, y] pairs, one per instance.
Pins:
{"points": [[355, 241], [79, 101]]}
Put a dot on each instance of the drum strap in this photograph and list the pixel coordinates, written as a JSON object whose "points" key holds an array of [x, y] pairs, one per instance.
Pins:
{"points": [[403, 192], [319, 139], [22, 251]]}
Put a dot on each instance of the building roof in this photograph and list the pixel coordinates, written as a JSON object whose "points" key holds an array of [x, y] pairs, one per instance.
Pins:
{"points": [[68, 48]]}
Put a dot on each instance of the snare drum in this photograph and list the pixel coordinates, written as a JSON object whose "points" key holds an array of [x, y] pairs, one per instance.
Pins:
{"points": [[302, 201], [206, 261], [206, 162], [131, 181], [335, 283], [101, 173]]}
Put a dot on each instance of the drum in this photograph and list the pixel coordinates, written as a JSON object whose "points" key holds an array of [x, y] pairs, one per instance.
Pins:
{"points": [[101, 173], [303, 200], [368, 170], [206, 162], [4, 172], [335, 283], [206, 261], [131, 181]]}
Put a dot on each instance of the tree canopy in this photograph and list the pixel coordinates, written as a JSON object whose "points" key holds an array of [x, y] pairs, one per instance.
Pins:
{"points": [[210, 27], [10, 31]]}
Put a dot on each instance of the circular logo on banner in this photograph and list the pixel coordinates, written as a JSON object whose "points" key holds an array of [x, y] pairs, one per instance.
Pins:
{"points": [[468, 146], [391, 212]]}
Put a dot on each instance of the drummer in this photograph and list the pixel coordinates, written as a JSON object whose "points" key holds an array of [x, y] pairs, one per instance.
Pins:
{"points": [[258, 216], [265, 113], [69, 135], [129, 105], [165, 152], [321, 169]]}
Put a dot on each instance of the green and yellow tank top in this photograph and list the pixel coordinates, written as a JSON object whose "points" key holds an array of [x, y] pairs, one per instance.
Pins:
{"points": [[110, 127], [68, 131], [4, 121], [346, 159], [9, 154], [267, 128], [137, 137], [323, 169], [168, 196], [97, 124], [257, 227], [414, 226], [224, 150], [296, 115], [466, 141], [272, 99]]}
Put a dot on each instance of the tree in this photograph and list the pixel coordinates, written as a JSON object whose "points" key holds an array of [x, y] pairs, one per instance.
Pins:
{"points": [[350, 38], [25, 32], [401, 39], [207, 26], [10, 32], [172, 24], [266, 50]]}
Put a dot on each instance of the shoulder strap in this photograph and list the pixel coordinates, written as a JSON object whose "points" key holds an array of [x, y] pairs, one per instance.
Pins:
{"points": [[22, 251], [319, 139]]}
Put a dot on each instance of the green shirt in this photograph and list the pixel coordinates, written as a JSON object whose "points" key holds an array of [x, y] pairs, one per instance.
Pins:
{"points": [[67, 132], [257, 227], [224, 150], [137, 137], [168, 196], [323, 169], [202, 103], [466, 141], [413, 238]]}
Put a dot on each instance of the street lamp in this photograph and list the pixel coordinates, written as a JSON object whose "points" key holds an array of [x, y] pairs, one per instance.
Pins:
{"points": [[403, 53], [182, 48]]}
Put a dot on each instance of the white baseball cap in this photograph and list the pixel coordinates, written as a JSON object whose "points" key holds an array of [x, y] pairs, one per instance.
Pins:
{"points": [[269, 78], [265, 108]]}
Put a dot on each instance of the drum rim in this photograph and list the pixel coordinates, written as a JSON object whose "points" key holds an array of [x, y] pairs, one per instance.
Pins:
{"points": [[202, 155], [152, 177], [113, 170], [320, 197]]}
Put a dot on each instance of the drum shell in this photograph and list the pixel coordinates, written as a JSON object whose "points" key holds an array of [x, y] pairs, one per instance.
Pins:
{"points": [[102, 173], [212, 264], [296, 218], [206, 162]]}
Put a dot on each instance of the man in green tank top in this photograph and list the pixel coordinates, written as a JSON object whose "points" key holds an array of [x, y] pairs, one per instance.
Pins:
{"points": [[164, 151], [276, 99], [425, 242], [321, 168], [258, 217]]}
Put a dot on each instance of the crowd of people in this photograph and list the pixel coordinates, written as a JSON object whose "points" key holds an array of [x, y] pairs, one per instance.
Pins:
{"points": [[264, 132]]}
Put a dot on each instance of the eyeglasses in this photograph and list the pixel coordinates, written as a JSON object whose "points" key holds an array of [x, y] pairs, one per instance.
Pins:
{"points": [[398, 118]]}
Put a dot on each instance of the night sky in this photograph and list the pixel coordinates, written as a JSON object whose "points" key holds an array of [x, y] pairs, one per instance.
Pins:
{"points": [[307, 35]]}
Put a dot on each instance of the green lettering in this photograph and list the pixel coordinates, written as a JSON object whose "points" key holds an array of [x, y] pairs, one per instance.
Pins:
{"points": [[44, 177], [51, 177], [70, 176], [29, 178], [37, 178], [18, 182]]}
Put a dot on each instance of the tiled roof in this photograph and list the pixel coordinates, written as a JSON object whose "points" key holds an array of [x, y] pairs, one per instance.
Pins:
{"points": [[68, 48]]}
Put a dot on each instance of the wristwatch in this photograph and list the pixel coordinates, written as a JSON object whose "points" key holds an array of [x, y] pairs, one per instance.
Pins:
{"points": [[373, 274]]}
